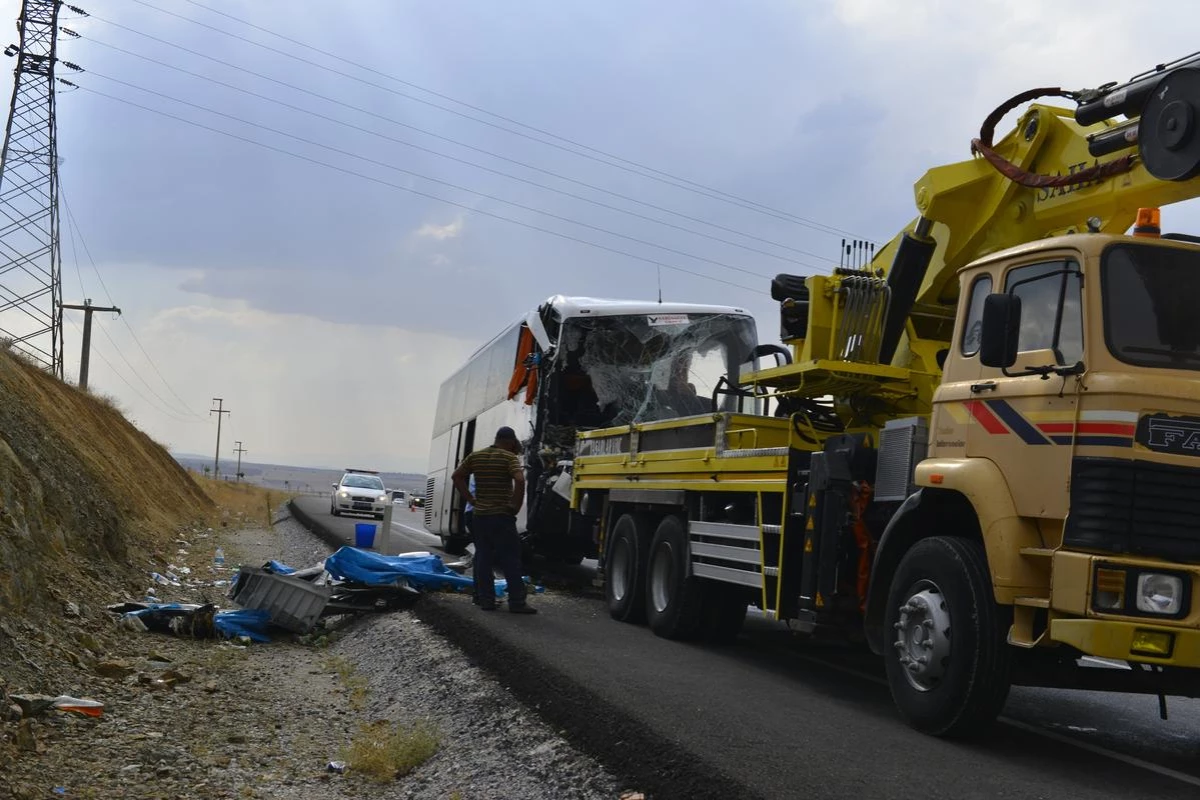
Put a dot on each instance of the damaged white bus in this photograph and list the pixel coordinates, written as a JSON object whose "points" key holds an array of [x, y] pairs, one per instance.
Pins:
{"points": [[571, 364]]}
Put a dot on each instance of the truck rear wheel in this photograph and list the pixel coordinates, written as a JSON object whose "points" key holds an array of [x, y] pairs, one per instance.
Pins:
{"points": [[673, 598], [948, 662], [625, 567]]}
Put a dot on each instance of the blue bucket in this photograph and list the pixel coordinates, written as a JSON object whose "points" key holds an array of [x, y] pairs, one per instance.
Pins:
{"points": [[364, 535]]}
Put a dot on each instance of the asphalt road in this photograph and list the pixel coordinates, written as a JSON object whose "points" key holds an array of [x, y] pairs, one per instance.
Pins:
{"points": [[778, 717], [408, 527]]}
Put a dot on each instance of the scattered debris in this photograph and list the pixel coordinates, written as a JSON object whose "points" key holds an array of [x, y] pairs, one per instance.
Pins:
{"points": [[116, 670], [163, 579], [194, 621], [35, 705], [350, 581], [25, 739], [336, 766], [165, 681]]}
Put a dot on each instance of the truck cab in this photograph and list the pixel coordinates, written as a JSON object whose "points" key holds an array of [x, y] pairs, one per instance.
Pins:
{"points": [[1070, 397]]}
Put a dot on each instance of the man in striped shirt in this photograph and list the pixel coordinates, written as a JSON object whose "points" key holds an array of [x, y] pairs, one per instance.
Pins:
{"points": [[499, 492]]}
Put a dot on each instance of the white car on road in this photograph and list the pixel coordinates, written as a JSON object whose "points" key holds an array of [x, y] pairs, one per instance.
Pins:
{"points": [[359, 491]]}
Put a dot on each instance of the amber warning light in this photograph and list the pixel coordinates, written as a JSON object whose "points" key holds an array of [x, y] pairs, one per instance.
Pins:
{"points": [[1147, 222]]}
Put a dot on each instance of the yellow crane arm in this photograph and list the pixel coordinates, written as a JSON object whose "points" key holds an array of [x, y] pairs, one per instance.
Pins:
{"points": [[1063, 172], [875, 336]]}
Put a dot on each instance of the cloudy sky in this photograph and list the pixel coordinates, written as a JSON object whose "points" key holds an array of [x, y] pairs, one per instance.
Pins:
{"points": [[373, 215]]}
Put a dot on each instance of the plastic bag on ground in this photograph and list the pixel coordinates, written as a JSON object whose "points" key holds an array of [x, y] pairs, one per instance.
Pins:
{"points": [[249, 622]]}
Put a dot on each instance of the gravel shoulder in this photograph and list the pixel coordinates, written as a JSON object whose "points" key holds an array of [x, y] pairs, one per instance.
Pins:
{"points": [[265, 721]]}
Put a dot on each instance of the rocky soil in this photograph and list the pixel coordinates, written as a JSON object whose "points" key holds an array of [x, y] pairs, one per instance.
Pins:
{"points": [[206, 719]]}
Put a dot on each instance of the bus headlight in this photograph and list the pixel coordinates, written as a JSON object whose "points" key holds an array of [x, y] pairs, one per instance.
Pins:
{"points": [[1159, 594]]}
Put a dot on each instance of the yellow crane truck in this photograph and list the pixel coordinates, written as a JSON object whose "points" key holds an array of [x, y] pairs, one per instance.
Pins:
{"points": [[977, 450]]}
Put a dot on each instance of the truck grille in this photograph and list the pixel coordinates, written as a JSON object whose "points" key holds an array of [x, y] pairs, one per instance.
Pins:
{"points": [[1136, 507]]}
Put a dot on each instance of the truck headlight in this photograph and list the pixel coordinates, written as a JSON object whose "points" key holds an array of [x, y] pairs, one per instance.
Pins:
{"points": [[1159, 594]]}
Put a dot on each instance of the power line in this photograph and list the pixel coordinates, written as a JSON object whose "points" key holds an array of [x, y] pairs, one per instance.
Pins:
{"points": [[418, 192], [425, 132], [74, 227], [617, 161], [166, 408], [475, 164], [132, 388], [448, 184]]}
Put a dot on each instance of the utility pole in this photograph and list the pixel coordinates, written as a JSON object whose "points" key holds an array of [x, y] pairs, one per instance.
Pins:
{"points": [[87, 308], [239, 450], [219, 410]]}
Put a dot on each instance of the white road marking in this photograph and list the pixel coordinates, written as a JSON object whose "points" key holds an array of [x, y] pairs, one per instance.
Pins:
{"points": [[1167, 772], [1105, 662], [1182, 777]]}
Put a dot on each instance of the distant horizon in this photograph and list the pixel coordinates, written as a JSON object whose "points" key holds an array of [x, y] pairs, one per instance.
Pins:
{"points": [[246, 463]]}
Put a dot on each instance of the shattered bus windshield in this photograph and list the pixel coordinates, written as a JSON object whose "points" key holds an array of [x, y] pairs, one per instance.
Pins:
{"points": [[642, 367], [1150, 298]]}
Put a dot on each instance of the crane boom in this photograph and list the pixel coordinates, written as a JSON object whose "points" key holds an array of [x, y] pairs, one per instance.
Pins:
{"points": [[1050, 175]]}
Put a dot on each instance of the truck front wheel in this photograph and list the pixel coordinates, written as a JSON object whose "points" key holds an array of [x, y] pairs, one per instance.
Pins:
{"points": [[948, 662], [625, 568]]}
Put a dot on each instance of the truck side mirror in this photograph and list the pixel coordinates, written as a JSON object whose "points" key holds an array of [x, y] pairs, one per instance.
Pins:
{"points": [[1001, 329]]}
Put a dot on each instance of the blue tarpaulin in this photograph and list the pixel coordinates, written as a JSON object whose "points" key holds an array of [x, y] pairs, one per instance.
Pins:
{"points": [[193, 619], [423, 571], [279, 567], [250, 622]]}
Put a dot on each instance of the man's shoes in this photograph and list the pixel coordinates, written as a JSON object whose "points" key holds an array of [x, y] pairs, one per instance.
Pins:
{"points": [[487, 606], [522, 609]]}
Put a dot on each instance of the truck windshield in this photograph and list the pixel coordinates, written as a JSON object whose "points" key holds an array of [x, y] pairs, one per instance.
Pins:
{"points": [[644, 367], [1152, 305]]}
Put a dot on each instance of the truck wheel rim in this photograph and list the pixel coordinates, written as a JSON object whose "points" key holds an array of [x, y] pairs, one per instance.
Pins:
{"points": [[619, 575], [923, 636], [660, 578]]}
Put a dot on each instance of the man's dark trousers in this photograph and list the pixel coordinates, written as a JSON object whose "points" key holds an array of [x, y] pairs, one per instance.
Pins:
{"points": [[485, 588], [497, 544]]}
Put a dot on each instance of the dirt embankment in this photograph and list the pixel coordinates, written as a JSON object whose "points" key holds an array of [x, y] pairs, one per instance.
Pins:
{"points": [[84, 493], [89, 505]]}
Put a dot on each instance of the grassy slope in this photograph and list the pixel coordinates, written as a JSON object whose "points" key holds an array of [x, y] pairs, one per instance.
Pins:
{"points": [[83, 493]]}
